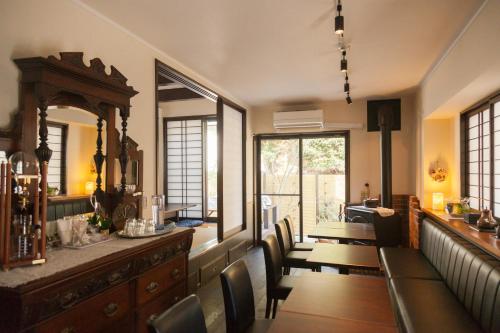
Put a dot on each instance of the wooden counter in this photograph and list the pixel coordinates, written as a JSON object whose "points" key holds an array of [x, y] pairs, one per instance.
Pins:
{"points": [[112, 286], [484, 240]]}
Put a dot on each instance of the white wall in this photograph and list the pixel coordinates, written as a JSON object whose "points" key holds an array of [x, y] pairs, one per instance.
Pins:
{"points": [[466, 74], [32, 28], [364, 146]]}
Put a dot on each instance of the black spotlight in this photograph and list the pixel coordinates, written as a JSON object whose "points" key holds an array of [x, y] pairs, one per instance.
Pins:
{"points": [[346, 85], [348, 99], [343, 63], [339, 20]]}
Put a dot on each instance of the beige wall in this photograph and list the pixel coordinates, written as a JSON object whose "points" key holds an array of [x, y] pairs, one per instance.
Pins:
{"points": [[40, 28], [466, 74], [364, 146]]}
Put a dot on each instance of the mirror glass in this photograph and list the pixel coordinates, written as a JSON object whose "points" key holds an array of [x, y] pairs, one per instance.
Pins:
{"points": [[72, 138], [132, 173]]}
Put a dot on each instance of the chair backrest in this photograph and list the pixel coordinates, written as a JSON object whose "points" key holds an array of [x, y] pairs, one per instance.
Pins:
{"points": [[274, 261], [184, 317], [291, 229], [238, 297], [283, 238]]}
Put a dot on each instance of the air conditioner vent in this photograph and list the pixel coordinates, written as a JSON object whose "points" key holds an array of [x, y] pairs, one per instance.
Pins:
{"points": [[298, 119]]}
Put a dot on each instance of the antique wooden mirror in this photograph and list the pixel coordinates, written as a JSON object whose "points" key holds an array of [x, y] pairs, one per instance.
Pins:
{"points": [[67, 87]]}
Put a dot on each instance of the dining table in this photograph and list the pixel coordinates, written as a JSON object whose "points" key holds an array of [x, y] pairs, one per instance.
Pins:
{"points": [[321, 302], [344, 232], [345, 256]]}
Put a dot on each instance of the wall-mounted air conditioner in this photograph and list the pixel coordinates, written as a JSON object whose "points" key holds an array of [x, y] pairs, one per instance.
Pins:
{"points": [[298, 119]]}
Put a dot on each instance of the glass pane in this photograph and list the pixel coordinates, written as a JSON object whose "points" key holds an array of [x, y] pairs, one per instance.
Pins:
{"points": [[279, 179], [323, 180]]}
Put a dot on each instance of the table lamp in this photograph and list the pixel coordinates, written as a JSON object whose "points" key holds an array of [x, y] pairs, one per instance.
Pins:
{"points": [[437, 201]]}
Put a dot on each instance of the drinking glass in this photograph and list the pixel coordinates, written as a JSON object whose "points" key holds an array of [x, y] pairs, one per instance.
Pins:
{"points": [[157, 206]]}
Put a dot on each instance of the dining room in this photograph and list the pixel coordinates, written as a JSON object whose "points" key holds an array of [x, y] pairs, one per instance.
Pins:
{"points": [[249, 166]]}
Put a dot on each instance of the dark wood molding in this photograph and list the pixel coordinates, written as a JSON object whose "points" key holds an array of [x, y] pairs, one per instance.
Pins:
{"points": [[220, 174], [177, 94], [165, 75]]}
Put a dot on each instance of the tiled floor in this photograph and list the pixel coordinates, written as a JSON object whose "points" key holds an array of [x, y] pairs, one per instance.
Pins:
{"points": [[211, 294]]}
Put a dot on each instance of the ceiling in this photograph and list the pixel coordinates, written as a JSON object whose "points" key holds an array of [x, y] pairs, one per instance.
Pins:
{"points": [[282, 51]]}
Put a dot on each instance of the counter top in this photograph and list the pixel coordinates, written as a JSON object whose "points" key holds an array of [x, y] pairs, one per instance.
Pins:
{"points": [[62, 261], [484, 240]]}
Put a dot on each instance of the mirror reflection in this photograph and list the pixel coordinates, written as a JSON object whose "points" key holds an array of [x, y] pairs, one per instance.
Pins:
{"points": [[72, 138]]}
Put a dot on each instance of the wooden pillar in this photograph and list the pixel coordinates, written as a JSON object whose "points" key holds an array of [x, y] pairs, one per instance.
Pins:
{"points": [[99, 159], [385, 122], [111, 142], [43, 152], [124, 113]]}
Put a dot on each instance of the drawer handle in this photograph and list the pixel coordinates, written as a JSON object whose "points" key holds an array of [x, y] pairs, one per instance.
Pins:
{"points": [[152, 287], [155, 259], [111, 309], [176, 299], [114, 277], [68, 330], [175, 273], [153, 317], [68, 300]]}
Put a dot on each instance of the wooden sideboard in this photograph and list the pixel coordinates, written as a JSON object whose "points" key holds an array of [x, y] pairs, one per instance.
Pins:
{"points": [[115, 286]]}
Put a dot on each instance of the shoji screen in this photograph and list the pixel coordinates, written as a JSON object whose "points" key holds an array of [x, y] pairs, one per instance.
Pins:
{"points": [[185, 165], [232, 169]]}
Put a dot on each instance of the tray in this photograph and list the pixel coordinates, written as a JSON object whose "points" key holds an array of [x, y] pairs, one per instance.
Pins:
{"points": [[166, 229], [87, 245]]}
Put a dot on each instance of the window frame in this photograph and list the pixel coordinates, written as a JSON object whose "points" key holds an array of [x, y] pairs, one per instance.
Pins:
{"points": [[478, 108], [64, 143], [204, 119]]}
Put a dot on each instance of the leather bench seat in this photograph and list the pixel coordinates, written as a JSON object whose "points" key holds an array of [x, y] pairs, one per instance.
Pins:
{"points": [[449, 285], [407, 263], [429, 306]]}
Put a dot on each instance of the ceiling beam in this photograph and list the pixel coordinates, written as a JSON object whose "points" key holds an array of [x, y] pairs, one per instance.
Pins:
{"points": [[176, 94]]}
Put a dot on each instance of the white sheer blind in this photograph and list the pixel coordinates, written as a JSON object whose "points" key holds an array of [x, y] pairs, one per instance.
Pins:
{"points": [[55, 171], [232, 168], [185, 165]]}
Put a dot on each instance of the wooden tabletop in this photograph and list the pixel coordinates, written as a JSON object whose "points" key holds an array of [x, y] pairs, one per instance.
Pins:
{"points": [[174, 207], [289, 322], [345, 256], [350, 232], [484, 240], [336, 303], [343, 225]]}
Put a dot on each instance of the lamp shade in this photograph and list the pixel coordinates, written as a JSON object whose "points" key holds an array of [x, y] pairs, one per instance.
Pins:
{"points": [[89, 187], [339, 24], [437, 201], [343, 65]]}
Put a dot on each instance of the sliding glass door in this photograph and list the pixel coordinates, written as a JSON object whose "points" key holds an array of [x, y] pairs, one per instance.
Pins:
{"points": [[305, 176]]}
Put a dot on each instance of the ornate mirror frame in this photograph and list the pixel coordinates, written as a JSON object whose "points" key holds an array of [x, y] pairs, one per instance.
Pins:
{"points": [[68, 81]]}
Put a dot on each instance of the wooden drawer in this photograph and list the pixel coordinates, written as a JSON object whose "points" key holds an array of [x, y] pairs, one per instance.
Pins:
{"points": [[159, 305], [160, 279], [96, 314], [208, 271]]}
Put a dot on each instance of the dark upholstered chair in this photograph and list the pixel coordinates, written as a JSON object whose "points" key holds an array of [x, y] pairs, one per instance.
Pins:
{"points": [[238, 300], [184, 317], [296, 246], [291, 258], [277, 286]]}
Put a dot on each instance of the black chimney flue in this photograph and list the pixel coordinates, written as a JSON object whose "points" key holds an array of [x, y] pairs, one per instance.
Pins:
{"points": [[385, 122]]}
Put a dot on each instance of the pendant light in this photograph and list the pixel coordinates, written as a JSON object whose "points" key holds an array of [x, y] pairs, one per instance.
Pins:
{"points": [[339, 20], [343, 63], [346, 84], [348, 99]]}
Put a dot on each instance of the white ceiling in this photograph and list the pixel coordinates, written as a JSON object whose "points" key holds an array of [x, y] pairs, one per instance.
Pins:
{"points": [[271, 51]]}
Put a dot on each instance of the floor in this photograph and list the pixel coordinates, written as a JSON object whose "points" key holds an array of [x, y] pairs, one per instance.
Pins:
{"points": [[211, 294]]}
